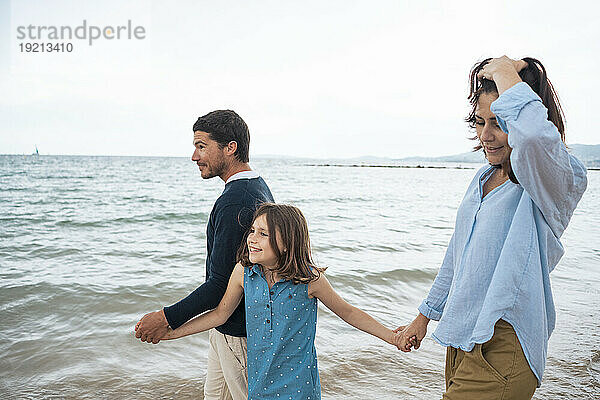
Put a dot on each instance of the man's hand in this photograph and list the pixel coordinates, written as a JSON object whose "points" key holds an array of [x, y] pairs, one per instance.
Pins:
{"points": [[152, 327], [413, 334]]}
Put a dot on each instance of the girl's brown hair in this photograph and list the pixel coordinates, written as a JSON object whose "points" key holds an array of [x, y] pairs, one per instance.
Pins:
{"points": [[295, 261], [534, 74]]}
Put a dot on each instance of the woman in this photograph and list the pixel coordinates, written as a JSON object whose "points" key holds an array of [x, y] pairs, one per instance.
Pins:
{"points": [[492, 293]]}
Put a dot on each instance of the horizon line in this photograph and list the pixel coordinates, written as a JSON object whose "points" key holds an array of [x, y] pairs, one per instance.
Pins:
{"points": [[265, 155]]}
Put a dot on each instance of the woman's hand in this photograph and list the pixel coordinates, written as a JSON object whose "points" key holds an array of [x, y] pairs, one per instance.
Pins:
{"points": [[399, 341], [413, 334], [503, 71]]}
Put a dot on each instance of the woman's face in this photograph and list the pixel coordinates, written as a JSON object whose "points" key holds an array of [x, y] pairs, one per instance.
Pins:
{"points": [[492, 138]]}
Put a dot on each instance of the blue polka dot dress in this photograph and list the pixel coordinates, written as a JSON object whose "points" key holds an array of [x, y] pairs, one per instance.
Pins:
{"points": [[281, 324]]}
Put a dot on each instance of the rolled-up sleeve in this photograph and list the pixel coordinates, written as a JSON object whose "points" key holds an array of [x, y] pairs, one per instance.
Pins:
{"points": [[554, 179], [433, 306]]}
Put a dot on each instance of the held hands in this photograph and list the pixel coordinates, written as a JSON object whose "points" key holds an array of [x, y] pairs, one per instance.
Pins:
{"points": [[398, 339], [410, 336], [152, 328]]}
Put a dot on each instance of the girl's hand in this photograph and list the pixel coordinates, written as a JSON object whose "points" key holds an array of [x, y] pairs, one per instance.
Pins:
{"points": [[322, 290], [501, 65], [412, 335], [152, 327], [213, 318], [398, 338], [169, 335]]}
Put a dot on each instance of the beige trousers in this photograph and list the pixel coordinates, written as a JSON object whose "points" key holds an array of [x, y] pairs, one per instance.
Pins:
{"points": [[226, 375], [494, 370]]}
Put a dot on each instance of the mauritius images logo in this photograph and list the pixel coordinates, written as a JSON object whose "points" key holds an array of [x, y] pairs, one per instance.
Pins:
{"points": [[87, 32]]}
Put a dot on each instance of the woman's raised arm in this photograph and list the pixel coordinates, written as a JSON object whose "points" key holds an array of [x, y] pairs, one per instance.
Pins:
{"points": [[553, 178]]}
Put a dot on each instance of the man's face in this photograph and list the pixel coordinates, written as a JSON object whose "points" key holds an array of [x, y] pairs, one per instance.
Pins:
{"points": [[208, 155]]}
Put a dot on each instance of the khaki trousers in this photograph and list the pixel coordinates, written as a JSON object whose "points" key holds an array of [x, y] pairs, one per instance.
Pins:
{"points": [[495, 370], [226, 375]]}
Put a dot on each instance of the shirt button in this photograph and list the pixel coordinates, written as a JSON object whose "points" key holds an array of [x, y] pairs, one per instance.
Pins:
{"points": [[268, 306], [268, 321], [272, 293]]}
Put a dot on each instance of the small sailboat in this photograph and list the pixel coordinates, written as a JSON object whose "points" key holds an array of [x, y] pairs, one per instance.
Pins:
{"points": [[36, 153]]}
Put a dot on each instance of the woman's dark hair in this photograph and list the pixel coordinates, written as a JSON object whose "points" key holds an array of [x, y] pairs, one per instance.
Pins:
{"points": [[534, 74], [295, 262], [226, 126]]}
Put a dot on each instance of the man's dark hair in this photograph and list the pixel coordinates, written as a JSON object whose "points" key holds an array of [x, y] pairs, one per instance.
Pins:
{"points": [[225, 126]]}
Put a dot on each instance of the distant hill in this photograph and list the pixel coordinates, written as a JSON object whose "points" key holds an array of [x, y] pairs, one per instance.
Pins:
{"points": [[470, 157], [588, 154]]}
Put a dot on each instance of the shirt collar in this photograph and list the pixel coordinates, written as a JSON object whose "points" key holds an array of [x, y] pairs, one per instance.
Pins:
{"points": [[254, 269], [242, 175]]}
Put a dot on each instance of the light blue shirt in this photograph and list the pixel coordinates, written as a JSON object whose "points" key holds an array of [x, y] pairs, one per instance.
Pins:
{"points": [[505, 245]]}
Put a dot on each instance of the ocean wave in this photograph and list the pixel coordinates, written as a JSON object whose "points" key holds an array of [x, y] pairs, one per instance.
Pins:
{"points": [[62, 177], [369, 247], [383, 278], [197, 217]]}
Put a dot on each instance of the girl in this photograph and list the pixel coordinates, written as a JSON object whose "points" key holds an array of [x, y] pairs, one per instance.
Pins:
{"points": [[492, 293], [280, 285]]}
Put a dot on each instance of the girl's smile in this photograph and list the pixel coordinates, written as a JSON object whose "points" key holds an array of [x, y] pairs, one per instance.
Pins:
{"points": [[259, 245]]}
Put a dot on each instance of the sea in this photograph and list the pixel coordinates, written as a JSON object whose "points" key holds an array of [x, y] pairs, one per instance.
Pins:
{"points": [[88, 245]]}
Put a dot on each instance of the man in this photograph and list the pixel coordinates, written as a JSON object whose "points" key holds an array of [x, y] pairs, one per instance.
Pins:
{"points": [[221, 141]]}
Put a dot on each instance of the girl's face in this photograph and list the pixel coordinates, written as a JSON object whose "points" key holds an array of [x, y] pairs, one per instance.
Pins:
{"points": [[260, 250], [492, 138]]}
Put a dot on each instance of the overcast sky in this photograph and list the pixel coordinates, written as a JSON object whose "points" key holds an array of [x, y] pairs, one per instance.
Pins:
{"points": [[311, 78]]}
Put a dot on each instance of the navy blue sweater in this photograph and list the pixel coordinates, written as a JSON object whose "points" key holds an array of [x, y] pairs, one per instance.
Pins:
{"points": [[229, 220]]}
